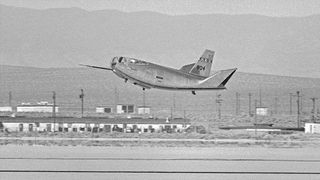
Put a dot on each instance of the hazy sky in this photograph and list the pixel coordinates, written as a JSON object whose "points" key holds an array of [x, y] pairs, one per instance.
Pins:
{"points": [[178, 7]]}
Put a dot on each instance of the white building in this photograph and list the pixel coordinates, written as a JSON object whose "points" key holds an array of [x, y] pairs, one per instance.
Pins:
{"points": [[6, 109], [143, 110], [312, 128], [125, 108], [103, 110], [36, 108], [95, 127]]}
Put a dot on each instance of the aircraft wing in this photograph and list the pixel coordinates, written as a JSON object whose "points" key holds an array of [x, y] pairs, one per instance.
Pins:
{"points": [[219, 79], [97, 67]]}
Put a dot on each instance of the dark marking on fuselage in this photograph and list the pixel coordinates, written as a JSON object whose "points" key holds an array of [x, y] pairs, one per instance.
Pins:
{"points": [[159, 77]]}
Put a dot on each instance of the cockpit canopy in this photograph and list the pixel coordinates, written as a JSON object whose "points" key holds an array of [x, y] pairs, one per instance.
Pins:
{"points": [[122, 59], [138, 62]]}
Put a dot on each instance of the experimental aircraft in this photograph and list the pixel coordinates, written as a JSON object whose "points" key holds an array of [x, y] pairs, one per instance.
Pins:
{"points": [[192, 77]]}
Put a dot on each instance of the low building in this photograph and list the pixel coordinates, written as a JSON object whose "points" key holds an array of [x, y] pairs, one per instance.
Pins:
{"points": [[125, 108], [312, 128], [103, 110], [6, 109], [40, 107], [94, 125], [143, 109]]}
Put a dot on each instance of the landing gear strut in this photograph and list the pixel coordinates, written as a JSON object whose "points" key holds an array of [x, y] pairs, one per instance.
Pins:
{"points": [[125, 80], [193, 92]]}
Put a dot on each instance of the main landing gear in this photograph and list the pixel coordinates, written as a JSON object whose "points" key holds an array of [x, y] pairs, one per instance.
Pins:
{"points": [[193, 92]]}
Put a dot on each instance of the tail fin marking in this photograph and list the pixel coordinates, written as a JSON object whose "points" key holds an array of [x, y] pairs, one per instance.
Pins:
{"points": [[203, 66]]}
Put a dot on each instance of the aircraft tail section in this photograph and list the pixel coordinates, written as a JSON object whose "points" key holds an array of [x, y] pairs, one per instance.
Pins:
{"points": [[187, 68], [219, 79], [203, 66]]}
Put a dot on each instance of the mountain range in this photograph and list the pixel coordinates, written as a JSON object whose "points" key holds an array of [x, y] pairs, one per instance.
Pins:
{"points": [[65, 37]]}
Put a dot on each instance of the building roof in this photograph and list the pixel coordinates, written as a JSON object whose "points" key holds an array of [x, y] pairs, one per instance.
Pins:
{"points": [[100, 120], [144, 107], [35, 105]]}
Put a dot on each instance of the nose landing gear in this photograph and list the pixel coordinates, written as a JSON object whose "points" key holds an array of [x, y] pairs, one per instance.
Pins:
{"points": [[193, 92]]}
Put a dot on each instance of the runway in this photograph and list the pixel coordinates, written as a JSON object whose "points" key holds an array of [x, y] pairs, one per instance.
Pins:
{"points": [[57, 162]]}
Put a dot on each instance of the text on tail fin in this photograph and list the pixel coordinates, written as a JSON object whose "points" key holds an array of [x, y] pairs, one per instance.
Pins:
{"points": [[203, 66]]}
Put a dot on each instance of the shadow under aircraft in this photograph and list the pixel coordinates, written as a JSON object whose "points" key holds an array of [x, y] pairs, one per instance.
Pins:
{"points": [[192, 77]]}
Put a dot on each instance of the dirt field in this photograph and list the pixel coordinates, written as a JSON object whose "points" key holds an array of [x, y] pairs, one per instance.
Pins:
{"points": [[221, 138]]}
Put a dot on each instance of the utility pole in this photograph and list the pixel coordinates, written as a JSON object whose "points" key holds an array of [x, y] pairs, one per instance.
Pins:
{"points": [[237, 103], [10, 99], [298, 108], [314, 109], [82, 100], [250, 104], [144, 102], [54, 110], [184, 118], [116, 99], [290, 103], [174, 102], [301, 101], [260, 97], [255, 117], [218, 102], [276, 105]]}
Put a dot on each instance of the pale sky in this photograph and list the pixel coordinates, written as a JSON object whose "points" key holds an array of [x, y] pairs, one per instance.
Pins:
{"points": [[183, 7]]}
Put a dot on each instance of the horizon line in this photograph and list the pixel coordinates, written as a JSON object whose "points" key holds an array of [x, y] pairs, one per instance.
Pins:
{"points": [[162, 13]]}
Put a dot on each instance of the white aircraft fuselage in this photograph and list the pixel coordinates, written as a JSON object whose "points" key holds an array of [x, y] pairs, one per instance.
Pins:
{"points": [[191, 77]]}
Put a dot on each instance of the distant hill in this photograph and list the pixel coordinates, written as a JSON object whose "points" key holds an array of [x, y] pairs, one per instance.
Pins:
{"points": [[36, 84], [65, 37]]}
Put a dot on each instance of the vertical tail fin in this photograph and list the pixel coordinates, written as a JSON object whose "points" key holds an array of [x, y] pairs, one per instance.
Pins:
{"points": [[203, 66]]}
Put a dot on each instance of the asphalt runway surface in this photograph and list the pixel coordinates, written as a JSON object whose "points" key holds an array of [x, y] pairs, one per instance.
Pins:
{"points": [[82, 162]]}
